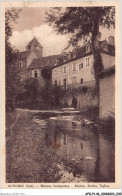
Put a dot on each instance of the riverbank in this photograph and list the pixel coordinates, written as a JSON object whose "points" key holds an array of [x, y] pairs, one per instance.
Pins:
{"points": [[28, 158]]}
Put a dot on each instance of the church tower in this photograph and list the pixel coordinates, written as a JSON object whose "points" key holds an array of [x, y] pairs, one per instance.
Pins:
{"points": [[35, 46]]}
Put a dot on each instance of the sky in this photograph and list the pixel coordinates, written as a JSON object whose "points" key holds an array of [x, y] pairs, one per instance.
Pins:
{"points": [[31, 23]]}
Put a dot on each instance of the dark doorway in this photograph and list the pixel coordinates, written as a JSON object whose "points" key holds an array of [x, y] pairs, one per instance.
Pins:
{"points": [[65, 84], [74, 103]]}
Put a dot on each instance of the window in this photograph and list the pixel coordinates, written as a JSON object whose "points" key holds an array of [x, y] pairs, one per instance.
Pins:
{"points": [[64, 58], [81, 80], [55, 82], [73, 79], [59, 83], [58, 72], [74, 54], [87, 62], [80, 66], [20, 63], [35, 73], [74, 67], [64, 69], [88, 48], [69, 55]]}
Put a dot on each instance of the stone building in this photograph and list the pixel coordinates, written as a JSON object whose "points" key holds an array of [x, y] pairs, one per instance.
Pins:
{"points": [[33, 50], [74, 70], [35, 68], [32, 61]]}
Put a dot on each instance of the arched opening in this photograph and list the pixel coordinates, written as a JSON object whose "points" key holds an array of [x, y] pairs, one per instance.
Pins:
{"points": [[74, 103]]}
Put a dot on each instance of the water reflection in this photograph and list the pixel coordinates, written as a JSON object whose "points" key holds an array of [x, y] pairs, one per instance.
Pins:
{"points": [[86, 153]]}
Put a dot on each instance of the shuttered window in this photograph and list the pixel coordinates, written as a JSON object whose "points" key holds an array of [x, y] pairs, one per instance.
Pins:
{"points": [[80, 66], [74, 67]]}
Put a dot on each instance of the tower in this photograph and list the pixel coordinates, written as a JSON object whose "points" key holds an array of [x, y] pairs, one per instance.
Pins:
{"points": [[35, 46]]}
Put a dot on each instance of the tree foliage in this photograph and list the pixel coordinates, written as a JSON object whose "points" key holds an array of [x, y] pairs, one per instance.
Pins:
{"points": [[46, 73], [52, 95], [31, 88], [10, 16], [82, 22], [11, 55]]}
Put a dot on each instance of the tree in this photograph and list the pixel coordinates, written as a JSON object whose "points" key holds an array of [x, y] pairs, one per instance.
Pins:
{"points": [[46, 73], [57, 95], [31, 88], [80, 22], [51, 95], [11, 56]]}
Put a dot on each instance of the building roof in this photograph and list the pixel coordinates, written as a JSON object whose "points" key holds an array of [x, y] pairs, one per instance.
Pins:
{"points": [[76, 53], [61, 62], [24, 54], [106, 72], [34, 42], [104, 47], [48, 61]]}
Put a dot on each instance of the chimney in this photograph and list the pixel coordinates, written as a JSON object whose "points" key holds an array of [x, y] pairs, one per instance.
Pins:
{"points": [[111, 40]]}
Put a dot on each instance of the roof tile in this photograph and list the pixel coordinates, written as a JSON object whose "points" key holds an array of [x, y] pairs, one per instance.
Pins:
{"points": [[48, 61]]}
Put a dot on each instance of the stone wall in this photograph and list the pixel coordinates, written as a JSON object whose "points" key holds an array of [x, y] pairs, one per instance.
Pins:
{"points": [[107, 95], [82, 99]]}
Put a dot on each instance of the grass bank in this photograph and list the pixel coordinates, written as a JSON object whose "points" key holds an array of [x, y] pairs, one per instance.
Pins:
{"points": [[28, 159]]}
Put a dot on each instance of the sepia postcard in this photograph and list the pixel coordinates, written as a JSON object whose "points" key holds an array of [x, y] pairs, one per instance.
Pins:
{"points": [[60, 82]]}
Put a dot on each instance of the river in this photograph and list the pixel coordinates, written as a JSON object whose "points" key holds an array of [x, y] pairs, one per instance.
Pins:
{"points": [[86, 153]]}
